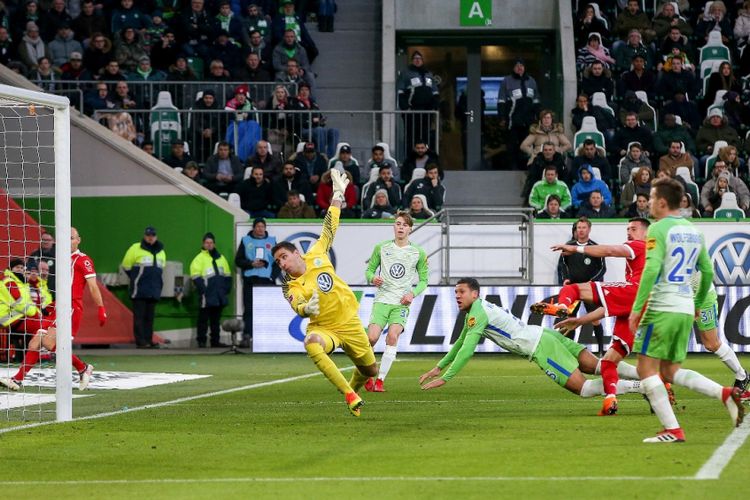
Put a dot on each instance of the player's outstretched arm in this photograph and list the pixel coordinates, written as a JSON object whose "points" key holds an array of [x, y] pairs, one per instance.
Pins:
{"points": [[331, 222], [574, 322], [596, 250]]}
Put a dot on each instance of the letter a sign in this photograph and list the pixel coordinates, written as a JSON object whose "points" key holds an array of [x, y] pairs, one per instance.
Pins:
{"points": [[476, 12]]}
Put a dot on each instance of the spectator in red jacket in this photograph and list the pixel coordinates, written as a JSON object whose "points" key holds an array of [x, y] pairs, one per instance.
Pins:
{"points": [[325, 191]]}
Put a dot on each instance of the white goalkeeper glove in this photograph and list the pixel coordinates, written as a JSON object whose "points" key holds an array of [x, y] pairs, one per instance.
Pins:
{"points": [[340, 181], [312, 307]]}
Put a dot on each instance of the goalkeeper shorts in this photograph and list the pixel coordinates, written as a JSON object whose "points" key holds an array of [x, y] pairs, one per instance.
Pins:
{"points": [[351, 338]]}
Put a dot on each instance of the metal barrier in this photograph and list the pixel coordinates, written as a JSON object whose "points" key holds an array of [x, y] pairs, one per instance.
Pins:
{"points": [[456, 239], [202, 129], [184, 94]]}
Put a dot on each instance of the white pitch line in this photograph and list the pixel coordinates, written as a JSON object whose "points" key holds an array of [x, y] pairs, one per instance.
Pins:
{"points": [[713, 468], [171, 402], [79, 482]]}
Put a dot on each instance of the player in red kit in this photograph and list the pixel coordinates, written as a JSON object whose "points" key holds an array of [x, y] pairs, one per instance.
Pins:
{"points": [[614, 298], [83, 276]]}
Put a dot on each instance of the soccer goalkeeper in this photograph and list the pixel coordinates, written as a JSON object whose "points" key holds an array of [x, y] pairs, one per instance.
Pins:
{"points": [[315, 291], [559, 357]]}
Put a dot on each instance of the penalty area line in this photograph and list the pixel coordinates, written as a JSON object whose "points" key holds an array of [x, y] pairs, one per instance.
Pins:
{"points": [[714, 466], [170, 402], [80, 482]]}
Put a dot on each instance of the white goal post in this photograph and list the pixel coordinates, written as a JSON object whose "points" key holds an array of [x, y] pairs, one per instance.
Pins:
{"points": [[24, 103]]}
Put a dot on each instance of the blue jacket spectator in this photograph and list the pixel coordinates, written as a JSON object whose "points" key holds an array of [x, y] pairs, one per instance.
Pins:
{"points": [[127, 16], [586, 184]]}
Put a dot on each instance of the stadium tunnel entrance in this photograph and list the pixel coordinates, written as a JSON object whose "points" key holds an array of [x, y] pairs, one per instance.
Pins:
{"points": [[468, 69]]}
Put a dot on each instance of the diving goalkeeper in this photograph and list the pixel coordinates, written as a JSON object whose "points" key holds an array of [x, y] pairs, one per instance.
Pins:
{"points": [[315, 291]]}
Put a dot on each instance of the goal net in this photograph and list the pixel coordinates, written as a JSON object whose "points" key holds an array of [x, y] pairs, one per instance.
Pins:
{"points": [[34, 252]]}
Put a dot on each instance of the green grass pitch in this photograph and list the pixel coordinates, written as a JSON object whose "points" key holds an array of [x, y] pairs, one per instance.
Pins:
{"points": [[500, 429]]}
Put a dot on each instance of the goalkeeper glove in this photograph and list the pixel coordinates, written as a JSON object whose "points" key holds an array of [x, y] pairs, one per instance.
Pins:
{"points": [[340, 182], [102, 315], [312, 307]]}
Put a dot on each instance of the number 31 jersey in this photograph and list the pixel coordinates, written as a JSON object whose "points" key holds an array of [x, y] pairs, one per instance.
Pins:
{"points": [[678, 246]]}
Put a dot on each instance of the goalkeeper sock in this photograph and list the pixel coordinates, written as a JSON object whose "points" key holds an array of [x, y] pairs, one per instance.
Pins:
{"points": [[29, 360], [609, 376], [327, 367], [568, 295], [727, 355], [357, 380], [654, 388], [389, 356], [625, 370], [78, 364], [697, 382]]}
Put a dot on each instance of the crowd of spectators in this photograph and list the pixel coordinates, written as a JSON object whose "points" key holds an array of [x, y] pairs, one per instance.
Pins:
{"points": [[663, 106], [122, 53]]}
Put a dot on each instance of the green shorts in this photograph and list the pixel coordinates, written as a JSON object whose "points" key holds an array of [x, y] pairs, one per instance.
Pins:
{"points": [[664, 335], [389, 314], [708, 316], [557, 355]]}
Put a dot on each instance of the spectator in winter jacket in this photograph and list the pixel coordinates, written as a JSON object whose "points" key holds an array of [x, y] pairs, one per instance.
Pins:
{"points": [[631, 103], [385, 182], [586, 184], [265, 159], [687, 111], [144, 72], [378, 158], [89, 22], [287, 19], [51, 20], [605, 121], [624, 52], [223, 171], [128, 16], [98, 54], [295, 208], [634, 159], [380, 207], [144, 262], [417, 90], [594, 51], [63, 46], [129, 49], [225, 20], [676, 78], [545, 131], [716, 20], [723, 79], [547, 186], [552, 209], [590, 156], [256, 194], [638, 208], [548, 157], [418, 208], [597, 78], [325, 191], [715, 128], [73, 70], [742, 23], [733, 184], [8, 49], [595, 208], [212, 277], [178, 158], [194, 30], [419, 157], [631, 132], [430, 186], [32, 47], [290, 179], [737, 112], [676, 158], [670, 131], [641, 77], [289, 49], [348, 162], [667, 19], [224, 50], [206, 128], [518, 101], [311, 164], [588, 23]]}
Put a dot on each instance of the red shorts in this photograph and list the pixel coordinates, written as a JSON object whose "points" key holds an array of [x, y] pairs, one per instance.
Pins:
{"points": [[32, 325], [617, 300], [75, 320]]}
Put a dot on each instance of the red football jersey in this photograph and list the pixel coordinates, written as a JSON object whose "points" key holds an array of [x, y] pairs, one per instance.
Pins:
{"points": [[634, 265], [81, 268]]}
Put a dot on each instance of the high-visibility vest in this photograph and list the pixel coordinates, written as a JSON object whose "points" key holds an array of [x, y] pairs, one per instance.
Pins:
{"points": [[11, 310]]}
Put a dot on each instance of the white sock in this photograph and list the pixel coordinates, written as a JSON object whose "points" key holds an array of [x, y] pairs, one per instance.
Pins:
{"points": [[629, 386], [697, 382], [654, 388], [627, 371], [591, 388], [598, 369], [727, 355], [389, 356]]}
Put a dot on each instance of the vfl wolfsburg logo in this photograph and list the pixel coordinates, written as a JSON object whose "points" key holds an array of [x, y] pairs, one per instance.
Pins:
{"points": [[730, 257], [325, 282], [397, 271]]}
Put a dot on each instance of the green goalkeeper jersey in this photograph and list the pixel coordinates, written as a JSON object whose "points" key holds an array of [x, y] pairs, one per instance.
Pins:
{"points": [[675, 250], [485, 319], [401, 268]]}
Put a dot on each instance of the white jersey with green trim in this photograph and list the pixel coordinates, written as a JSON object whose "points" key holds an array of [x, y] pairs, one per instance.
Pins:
{"points": [[401, 268], [504, 329]]}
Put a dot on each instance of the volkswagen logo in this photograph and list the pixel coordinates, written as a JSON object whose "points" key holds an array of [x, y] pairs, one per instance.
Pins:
{"points": [[730, 256], [304, 241], [397, 271], [325, 282]]}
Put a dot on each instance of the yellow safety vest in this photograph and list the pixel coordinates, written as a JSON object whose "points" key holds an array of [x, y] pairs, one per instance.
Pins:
{"points": [[11, 310]]}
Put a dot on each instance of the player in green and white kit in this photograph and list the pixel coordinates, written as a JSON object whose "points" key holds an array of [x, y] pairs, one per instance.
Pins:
{"points": [[402, 264], [674, 250], [561, 358], [708, 328]]}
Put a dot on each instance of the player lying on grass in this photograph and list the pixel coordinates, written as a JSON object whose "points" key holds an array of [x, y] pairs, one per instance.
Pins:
{"points": [[665, 307], [402, 264], [82, 276], [559, 357], [615, 298], [315, 291]]}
